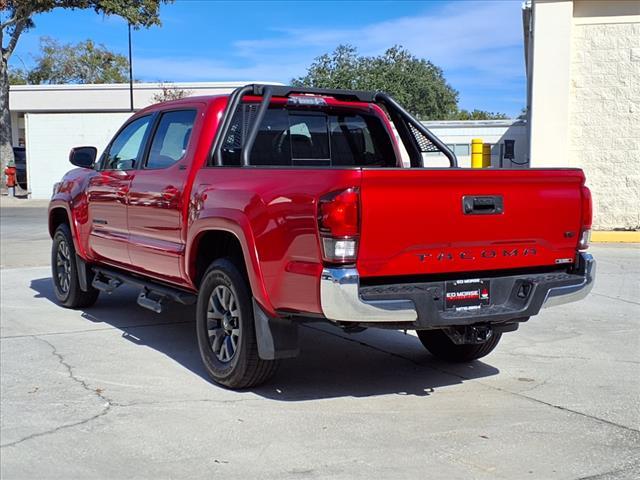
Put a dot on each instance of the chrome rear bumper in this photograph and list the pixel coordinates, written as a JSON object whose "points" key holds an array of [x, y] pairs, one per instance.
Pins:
{"points": [[341, 302], [573, 293], [341, 299]]}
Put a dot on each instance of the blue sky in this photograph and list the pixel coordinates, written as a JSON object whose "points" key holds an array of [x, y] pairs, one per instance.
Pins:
{"points": [[478, 44]]}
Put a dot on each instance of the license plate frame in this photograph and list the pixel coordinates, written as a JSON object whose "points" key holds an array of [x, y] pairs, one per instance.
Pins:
{"points": [[467, 294]]}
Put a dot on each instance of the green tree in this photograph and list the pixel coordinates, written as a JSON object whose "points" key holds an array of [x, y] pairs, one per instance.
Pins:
{"points": [[84, 62], [416, 83], [477, 115], [18, 76], [16, 16]]}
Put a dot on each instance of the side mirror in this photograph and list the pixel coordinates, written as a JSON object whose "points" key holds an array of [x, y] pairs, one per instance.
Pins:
{"points": [[83, 157]]}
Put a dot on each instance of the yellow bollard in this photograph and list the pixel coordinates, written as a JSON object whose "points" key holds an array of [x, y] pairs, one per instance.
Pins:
{"points": [[486, 155], [476, 153]]}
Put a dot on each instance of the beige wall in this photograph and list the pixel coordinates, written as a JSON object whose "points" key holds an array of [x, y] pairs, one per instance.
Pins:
{"points": [[605, 118], [585, 102]]}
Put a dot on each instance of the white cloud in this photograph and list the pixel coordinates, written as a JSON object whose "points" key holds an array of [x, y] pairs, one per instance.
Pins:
{"points": [[460, 33], [199, 69], [479, 45]]}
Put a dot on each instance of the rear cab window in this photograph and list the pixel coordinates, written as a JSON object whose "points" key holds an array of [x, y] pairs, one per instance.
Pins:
{"points": [[289, 137]]}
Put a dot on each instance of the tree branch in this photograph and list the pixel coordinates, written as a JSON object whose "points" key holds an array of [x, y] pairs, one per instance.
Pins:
{"points": [[6, 52], [9, 22]]}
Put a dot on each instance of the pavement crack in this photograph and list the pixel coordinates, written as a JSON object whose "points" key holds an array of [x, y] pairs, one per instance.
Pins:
{"points": [[108, 403], [493, 387], [57, 429], [609, 474], [95, 391], [517, 353], [92, 330], [188, 400], [615, 298]]}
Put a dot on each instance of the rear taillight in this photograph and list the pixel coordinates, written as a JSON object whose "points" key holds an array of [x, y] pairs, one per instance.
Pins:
{"points": [[339, 225], [587, 219]]}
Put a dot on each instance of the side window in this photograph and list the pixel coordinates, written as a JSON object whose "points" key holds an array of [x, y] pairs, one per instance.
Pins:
{"points": [[272, 145], [125, 149], [361, 141], [171, 138]]}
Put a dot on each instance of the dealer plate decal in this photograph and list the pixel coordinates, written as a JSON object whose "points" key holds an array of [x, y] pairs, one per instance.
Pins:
{"points": [[470, 294]]}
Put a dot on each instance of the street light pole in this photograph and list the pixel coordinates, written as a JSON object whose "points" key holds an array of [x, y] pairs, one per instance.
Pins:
{"points": [[130, 72]]}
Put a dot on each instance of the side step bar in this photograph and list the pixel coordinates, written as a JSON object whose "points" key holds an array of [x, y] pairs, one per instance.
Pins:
{"points": [[153, 295]]}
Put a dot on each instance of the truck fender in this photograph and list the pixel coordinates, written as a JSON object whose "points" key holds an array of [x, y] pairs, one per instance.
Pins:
{"points": [[237, 224], [73, 226]]}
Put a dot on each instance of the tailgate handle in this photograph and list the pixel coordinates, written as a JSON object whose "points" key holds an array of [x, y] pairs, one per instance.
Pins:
{"points": [[482, 205]]}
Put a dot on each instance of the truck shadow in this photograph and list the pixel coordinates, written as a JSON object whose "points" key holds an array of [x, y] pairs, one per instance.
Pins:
{"points": [[331, 364]]}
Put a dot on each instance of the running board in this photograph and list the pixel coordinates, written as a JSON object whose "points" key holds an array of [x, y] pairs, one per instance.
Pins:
{"points": [[153, 295]]}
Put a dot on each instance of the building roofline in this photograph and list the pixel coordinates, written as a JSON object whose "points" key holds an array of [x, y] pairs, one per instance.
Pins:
{"points": [[506, 122], [136, 86]]}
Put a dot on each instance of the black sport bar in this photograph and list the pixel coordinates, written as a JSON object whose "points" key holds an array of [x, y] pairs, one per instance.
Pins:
{"points": [[399, 116]]}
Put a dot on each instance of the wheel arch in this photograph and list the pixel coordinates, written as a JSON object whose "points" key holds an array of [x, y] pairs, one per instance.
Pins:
{"points": [[225, 238], [57, 216]]}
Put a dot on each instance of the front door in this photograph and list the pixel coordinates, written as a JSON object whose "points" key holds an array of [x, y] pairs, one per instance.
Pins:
{"points": [[108, 190]]}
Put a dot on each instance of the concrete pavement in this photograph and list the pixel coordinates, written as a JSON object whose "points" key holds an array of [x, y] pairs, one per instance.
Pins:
{"points": [[116, 391]]}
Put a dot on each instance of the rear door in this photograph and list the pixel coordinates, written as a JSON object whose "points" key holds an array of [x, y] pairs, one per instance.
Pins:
{"points": [[420, 221], [156, 207], [107, 192]]}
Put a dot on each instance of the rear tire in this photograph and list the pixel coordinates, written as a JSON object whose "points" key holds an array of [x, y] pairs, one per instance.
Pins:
{"points": [[226, 330], [64, 272], [442, 347]]}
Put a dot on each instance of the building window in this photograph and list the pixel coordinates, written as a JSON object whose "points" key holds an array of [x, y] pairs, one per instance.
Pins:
{"points": [[460, 149]]}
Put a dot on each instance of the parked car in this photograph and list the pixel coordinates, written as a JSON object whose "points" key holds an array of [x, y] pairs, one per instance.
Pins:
{"points": [[277, 205], [20, 156]]}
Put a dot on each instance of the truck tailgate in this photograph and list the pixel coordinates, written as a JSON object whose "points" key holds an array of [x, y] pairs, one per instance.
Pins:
{"points": [[413, 222]]}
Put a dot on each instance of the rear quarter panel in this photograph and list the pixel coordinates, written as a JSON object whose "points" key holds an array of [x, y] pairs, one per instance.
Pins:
{"points": [[273, 212]]}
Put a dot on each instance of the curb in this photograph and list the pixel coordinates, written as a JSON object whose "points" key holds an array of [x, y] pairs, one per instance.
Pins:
{"points": [[615, 237]]}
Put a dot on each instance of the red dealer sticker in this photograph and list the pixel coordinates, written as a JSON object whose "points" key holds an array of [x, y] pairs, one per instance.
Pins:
{"points": [[467, 294]]}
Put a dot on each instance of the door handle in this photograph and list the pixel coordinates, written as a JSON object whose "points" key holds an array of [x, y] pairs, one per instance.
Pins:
{"points": [[482, 204]]}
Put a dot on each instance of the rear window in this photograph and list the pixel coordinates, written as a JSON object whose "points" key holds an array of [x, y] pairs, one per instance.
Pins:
{"points": [[292, 138]]}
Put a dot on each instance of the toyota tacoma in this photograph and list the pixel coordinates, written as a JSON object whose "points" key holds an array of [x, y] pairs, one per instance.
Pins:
{"points": [[276, 205]]}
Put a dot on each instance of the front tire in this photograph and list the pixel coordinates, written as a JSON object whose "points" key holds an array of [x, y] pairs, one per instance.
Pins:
{"points": [[441, 346], [226, 330], [64, 272]]}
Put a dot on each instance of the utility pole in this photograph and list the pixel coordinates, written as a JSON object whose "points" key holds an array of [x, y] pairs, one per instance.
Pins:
{"points": [[130, 72]]}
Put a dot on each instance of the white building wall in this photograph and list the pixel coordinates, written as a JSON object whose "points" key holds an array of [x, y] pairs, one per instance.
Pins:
{"points": [[51, 119], [52, 135], [550, 70], [104, 96], [494, 132]]}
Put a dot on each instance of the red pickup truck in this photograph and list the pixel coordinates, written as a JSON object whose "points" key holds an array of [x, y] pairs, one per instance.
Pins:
{"points": [[278, 205]]}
